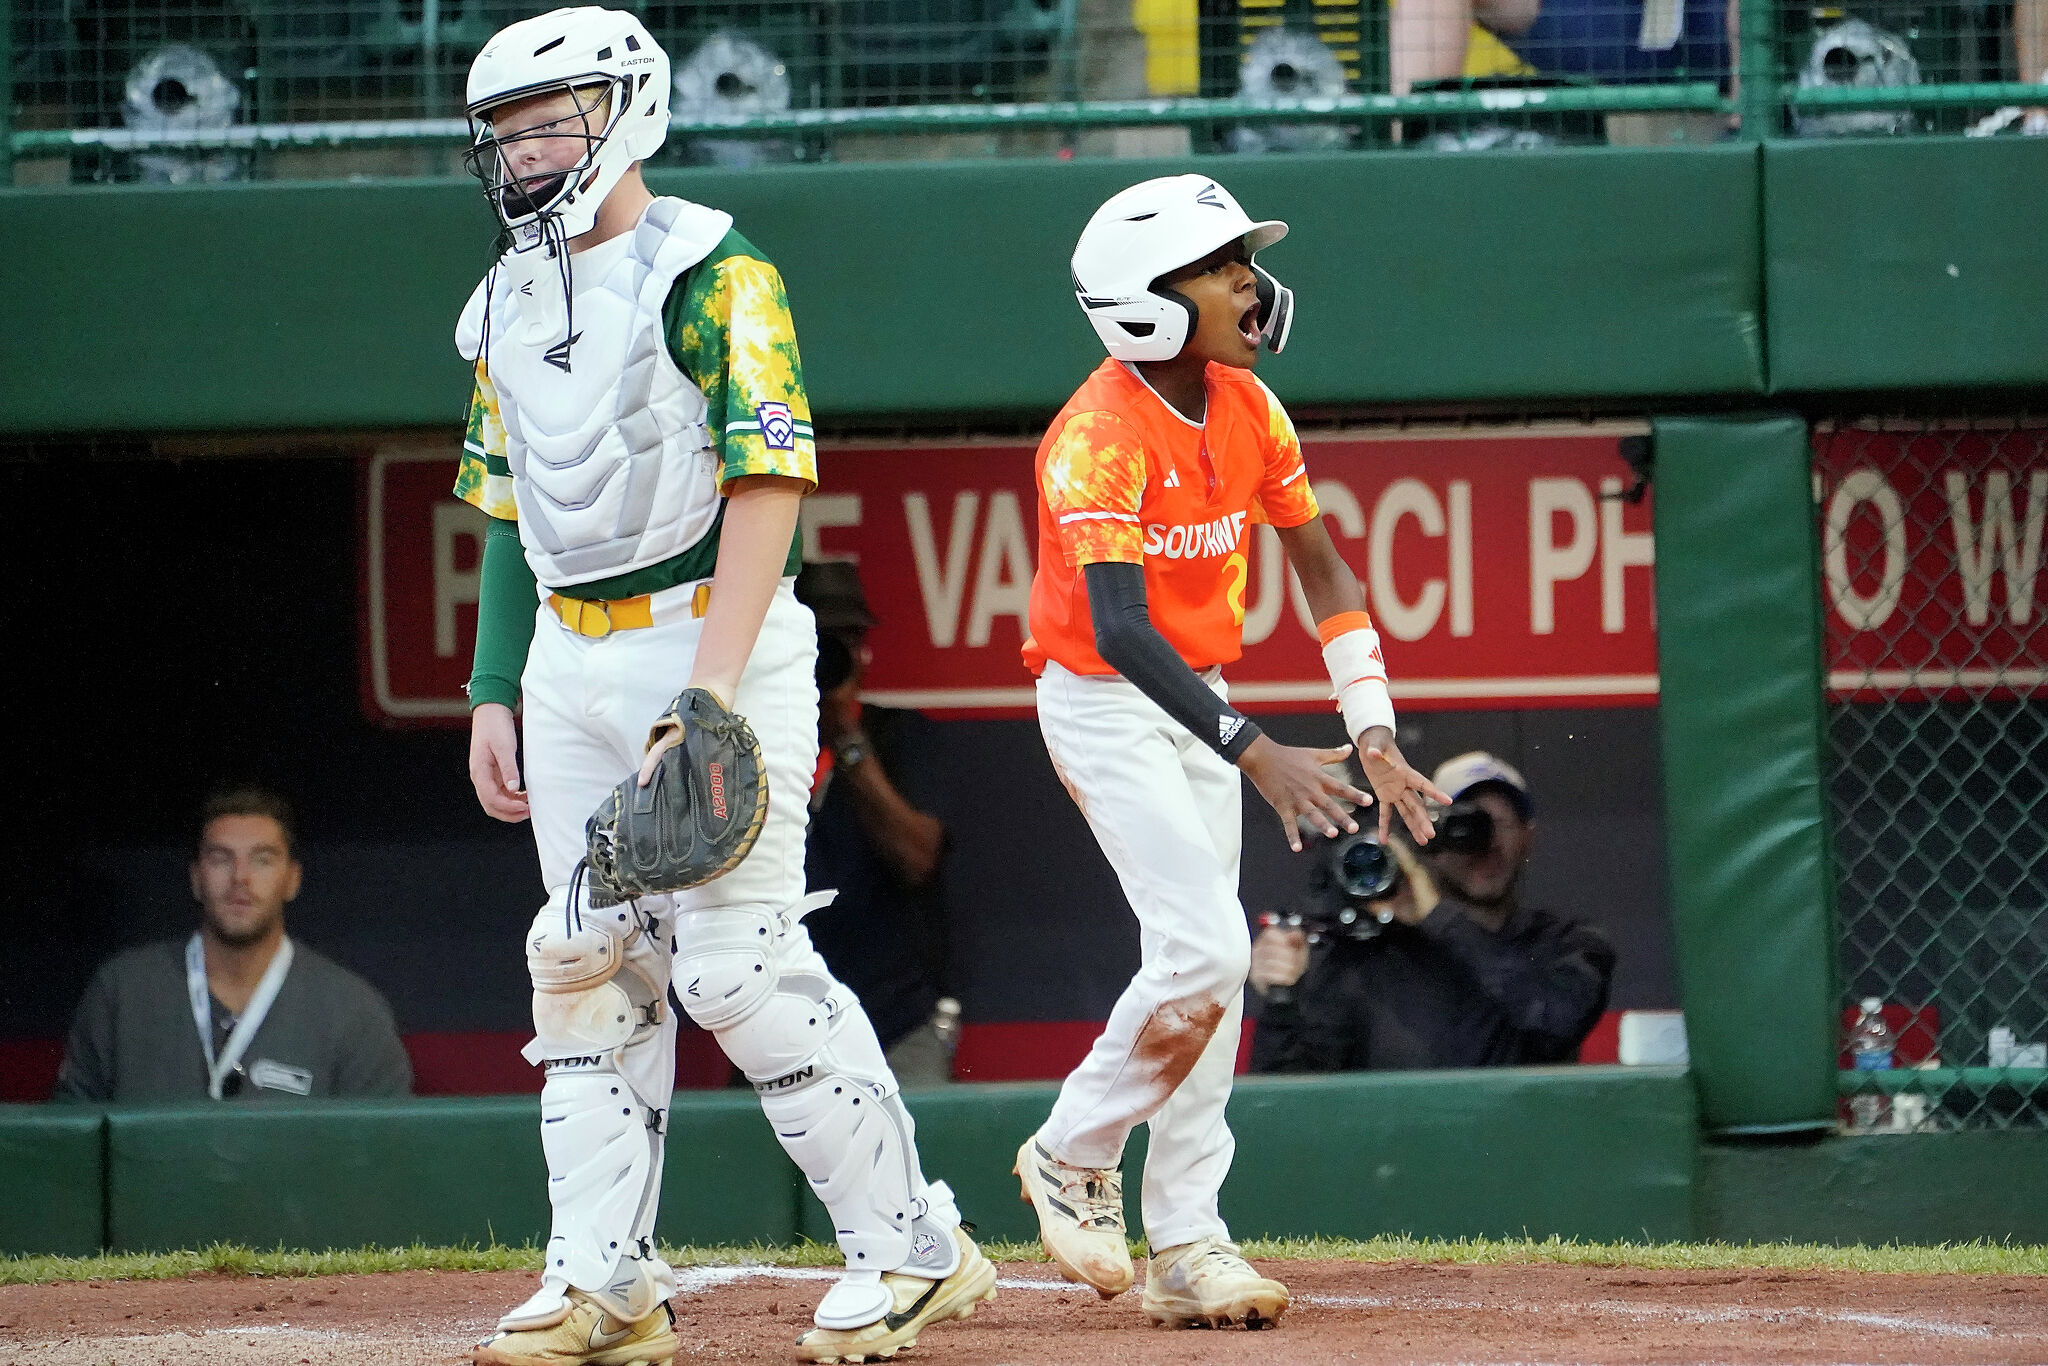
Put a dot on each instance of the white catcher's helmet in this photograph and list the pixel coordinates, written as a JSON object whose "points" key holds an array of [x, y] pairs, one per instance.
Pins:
{"points": [[567, 51], [1156, 227]]}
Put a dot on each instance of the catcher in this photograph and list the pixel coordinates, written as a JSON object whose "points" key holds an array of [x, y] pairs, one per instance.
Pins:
{"points": [[640, 437]]}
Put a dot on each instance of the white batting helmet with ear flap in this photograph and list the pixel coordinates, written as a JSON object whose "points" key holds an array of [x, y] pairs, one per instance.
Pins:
{"points": [[1153, 228], [567, 51]]}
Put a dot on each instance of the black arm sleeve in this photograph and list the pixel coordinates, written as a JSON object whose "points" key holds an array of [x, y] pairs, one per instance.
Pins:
{"points": [[1552, 984], [1129, 643]]}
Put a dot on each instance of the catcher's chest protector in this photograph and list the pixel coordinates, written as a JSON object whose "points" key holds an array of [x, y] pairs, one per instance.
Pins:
{"points": [[611, 458]]}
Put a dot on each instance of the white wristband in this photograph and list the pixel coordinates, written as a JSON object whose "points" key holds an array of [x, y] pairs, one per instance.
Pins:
{"points": [[1358, 676]]}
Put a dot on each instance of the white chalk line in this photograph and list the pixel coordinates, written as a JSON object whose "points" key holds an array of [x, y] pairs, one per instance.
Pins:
{"points": [[698, 1279], [1663, 1313]]}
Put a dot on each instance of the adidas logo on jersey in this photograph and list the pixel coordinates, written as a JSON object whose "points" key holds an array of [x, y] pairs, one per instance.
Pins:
{"points": [[1195, 540], [1172, 479]]}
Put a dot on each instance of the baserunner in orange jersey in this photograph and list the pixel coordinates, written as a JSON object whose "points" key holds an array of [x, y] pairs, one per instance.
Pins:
{"points": [[1150, 480]]}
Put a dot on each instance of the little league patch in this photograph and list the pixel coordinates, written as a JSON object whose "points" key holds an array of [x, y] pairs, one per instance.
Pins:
{"points": [[778, 426]]}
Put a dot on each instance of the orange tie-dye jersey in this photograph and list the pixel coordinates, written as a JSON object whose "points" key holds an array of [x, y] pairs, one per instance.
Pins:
{"points": [[1122, 478]]}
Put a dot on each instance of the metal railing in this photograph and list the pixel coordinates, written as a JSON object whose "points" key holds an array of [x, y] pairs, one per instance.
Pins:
{"points": [[221, 89]]}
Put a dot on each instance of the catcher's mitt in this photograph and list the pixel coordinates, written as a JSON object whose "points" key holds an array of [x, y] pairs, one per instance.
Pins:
{"points": [[698, 815]]}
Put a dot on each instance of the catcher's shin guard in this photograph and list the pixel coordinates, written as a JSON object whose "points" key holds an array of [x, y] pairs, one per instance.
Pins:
{"points": [[806, 1044], [604, 1148], [599, 982]]}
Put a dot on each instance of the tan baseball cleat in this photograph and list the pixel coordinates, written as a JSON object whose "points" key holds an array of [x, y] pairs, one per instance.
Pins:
{"points": [[1080, 1218], [585, 1335], [915, 1304], [1205, 1284]]}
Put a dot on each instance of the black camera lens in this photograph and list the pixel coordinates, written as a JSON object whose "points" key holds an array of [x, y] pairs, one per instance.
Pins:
{"points": [[1363, 868], [835, 662], [1465, 828]]}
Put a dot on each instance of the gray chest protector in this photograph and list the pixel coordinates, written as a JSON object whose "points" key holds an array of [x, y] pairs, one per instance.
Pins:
{"points": [[612, 461]]}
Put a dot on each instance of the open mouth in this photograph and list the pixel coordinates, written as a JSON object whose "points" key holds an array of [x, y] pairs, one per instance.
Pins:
{"points": [[522, 197], [1248, 325]]}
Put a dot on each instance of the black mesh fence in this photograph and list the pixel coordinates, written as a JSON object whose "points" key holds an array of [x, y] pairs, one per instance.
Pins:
{"points": [[1932, 544], [208, 90]]}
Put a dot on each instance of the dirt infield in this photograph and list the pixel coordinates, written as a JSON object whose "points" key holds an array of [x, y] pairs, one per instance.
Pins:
{"points": [[1397, 1312]]}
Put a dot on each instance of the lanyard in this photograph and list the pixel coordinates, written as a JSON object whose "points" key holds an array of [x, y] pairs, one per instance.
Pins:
{"points": [[217, 1069]]}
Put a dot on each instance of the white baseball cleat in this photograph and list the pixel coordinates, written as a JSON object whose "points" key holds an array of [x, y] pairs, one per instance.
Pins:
{"points": [[1205, 1284], [915, 1303], [1080, 1218], [585, 1335]]}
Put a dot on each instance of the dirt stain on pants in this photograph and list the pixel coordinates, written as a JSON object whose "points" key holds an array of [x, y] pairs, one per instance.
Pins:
{"points": [[1173, 1039]]}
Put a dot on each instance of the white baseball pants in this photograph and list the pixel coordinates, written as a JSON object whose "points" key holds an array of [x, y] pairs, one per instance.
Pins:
{"points": [[589, 704], [1166, 811]]}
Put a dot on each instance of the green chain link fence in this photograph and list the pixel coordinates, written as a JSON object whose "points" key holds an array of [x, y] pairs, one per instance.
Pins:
{"points": [[1932, 546], [207, 90]]}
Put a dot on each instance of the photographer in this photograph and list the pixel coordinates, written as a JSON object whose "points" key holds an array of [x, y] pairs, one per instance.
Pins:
{"points": [[874, 838], [1399, 958]]}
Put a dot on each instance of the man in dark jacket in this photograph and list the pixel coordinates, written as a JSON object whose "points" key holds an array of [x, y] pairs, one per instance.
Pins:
{"points": [[237, 1010], [1449, 970], [875, 840]]}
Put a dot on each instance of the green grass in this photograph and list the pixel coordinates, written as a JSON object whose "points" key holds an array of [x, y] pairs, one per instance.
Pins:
{"points": [[1977, 1259]]}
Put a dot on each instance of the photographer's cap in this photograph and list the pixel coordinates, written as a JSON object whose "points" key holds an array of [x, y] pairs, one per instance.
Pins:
{"points": [[1468, 771], [831, 589]]}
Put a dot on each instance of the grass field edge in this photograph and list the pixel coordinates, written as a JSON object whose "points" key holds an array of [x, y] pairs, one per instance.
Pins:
{"points": [[1975, 1258]]}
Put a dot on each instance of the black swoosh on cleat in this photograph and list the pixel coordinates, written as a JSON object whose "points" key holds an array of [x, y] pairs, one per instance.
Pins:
{"points": [[895, 1322]]}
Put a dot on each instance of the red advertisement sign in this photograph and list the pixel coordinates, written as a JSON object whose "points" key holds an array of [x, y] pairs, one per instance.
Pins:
{"points": [[1502, 571], [422, 562], [1930, 558]]}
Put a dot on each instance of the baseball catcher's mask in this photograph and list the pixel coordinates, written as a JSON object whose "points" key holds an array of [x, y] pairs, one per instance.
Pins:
{"points": [[698, 816], [489, 157]]}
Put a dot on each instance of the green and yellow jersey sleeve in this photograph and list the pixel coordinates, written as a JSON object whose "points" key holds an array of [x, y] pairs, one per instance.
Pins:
{"points": [[730, 330], [505, 594], [483, 479]]}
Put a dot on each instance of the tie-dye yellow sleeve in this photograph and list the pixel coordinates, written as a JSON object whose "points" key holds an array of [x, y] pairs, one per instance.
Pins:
{"points": [[1285, 497], [734, 337], [1093, 485], [483, 479]]}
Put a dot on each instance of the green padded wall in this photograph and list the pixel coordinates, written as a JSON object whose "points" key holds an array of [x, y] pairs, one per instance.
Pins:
{"points": [[1923, 1189], [918, 289], [1582, 1152], [1579, 1152], [1738, 619], [1591, 1152], [1906, 263], [346, 1174], [52, 1179]]}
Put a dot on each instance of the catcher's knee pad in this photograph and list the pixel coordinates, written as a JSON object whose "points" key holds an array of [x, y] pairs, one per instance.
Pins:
{"points": [[731, 979], [603, 1147], [588, 995]]}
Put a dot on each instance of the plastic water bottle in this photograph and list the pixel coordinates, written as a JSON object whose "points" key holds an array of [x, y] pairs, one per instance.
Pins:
{"points": [[946, 1022], [1871, 1049]]}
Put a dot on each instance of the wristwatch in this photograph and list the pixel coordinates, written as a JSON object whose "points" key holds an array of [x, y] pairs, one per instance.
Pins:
{"points": [[851, 750]]}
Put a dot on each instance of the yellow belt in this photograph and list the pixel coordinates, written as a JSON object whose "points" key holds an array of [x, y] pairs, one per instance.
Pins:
{"points": [[589, 618]]}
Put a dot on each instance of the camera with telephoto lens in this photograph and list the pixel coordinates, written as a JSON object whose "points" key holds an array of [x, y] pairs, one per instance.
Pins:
{"points": [[1363, 870], [835, 662], [1353, 871]]}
